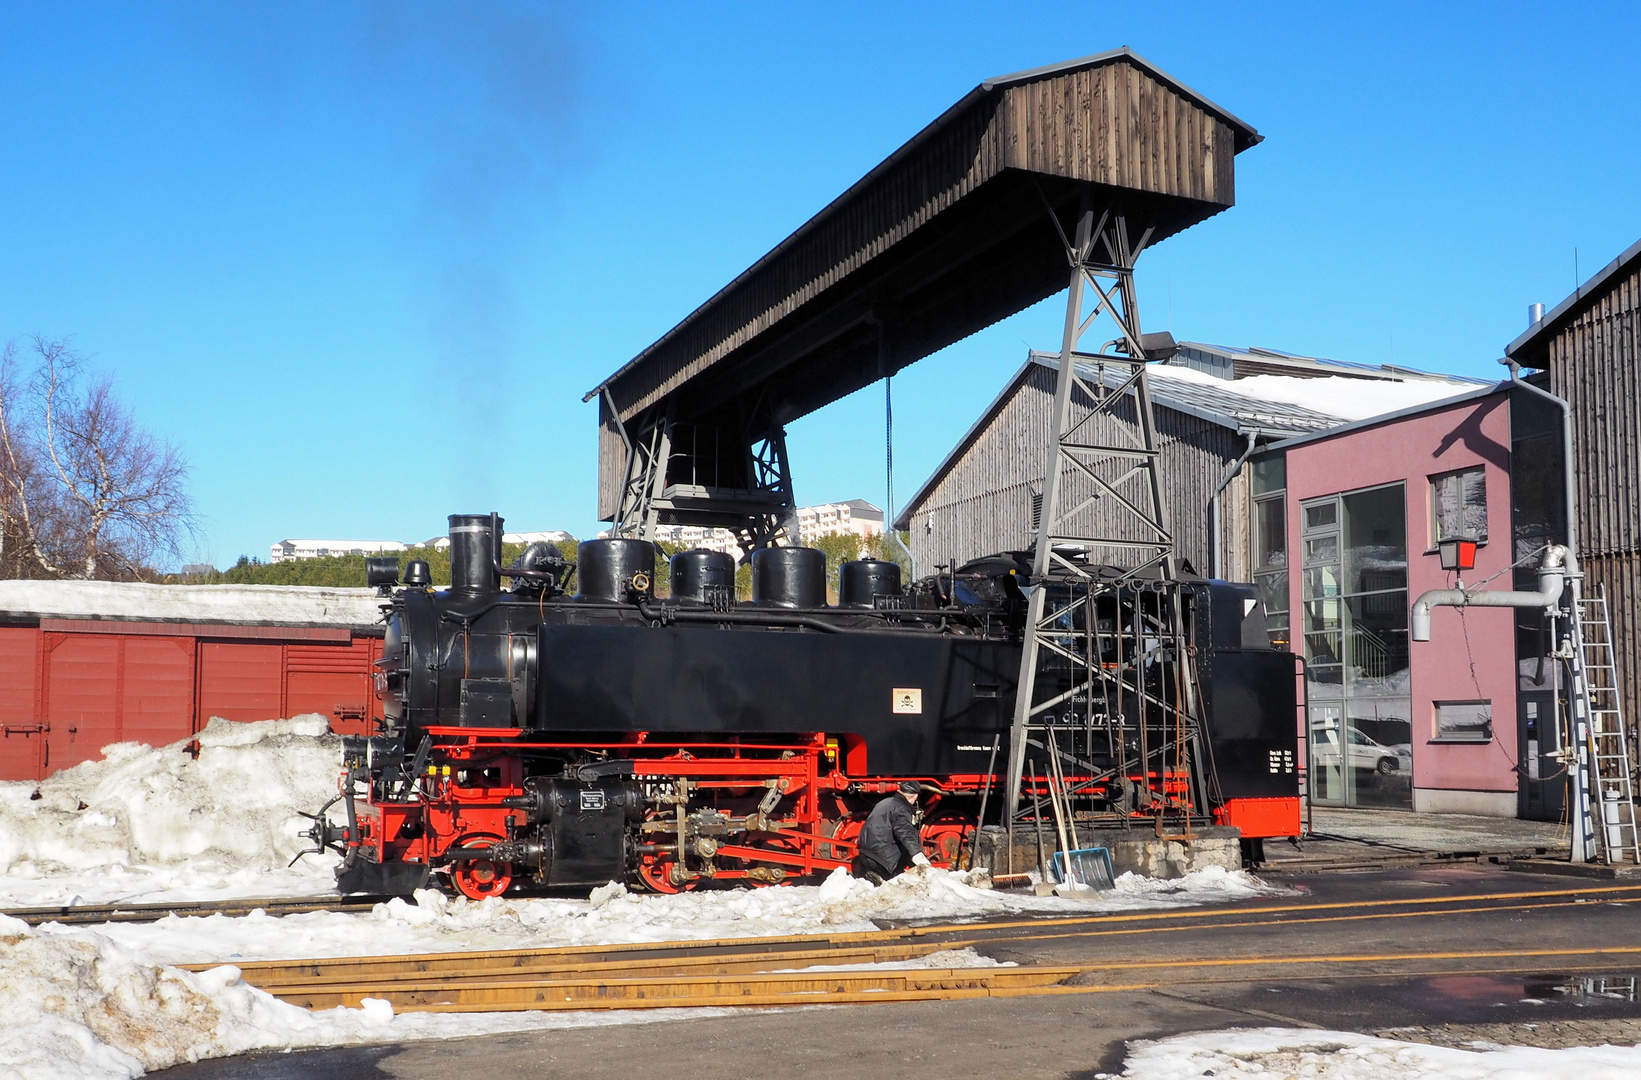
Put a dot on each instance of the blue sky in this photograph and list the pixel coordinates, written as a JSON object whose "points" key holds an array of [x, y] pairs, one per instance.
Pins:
{"points": [[360, 261]]}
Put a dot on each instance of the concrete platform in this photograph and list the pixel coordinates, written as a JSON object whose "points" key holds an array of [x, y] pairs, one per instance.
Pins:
{"points": [[1137, 850], [1437, 832]]}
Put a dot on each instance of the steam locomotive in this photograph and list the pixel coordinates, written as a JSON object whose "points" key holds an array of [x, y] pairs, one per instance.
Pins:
{"points": [[538, 736]]}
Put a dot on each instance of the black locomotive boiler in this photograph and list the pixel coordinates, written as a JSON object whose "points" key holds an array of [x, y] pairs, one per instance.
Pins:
{"points": [[537, 735]]}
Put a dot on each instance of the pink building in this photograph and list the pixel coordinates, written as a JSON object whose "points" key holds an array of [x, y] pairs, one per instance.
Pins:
{"points": [[1346, 525]]}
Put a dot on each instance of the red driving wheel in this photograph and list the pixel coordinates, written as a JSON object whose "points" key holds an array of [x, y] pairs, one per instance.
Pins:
{"points": [[656, 875], [480, 879]]}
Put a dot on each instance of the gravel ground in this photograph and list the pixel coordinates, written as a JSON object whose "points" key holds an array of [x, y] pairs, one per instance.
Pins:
{"points": [[1549, 1034]]}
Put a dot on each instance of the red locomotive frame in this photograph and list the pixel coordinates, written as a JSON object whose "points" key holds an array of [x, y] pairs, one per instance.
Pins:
{"points": [[788, 810]]}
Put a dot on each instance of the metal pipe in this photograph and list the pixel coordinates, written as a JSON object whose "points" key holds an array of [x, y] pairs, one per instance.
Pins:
{"points": [[1569, 493], [1214, 538], [1552, 578]]}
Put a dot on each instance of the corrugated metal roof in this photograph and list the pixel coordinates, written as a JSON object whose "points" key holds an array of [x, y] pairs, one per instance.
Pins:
{"points": [[1537, 335], [1226, 408], [1238, 411], [1477, 394]]}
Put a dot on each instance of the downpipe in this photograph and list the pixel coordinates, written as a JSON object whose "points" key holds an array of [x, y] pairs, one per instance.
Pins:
{"points": [[1552, 580]]}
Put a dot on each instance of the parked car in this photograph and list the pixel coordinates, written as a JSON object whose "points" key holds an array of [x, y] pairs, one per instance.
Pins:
{"points": [[1365, 753]]}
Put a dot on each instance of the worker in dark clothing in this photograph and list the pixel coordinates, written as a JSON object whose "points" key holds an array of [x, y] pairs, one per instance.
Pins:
{"points": [[889, 841]]}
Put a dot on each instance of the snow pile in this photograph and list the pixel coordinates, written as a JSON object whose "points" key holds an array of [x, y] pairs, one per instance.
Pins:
{"points": [[76, 1006], [286, 605], [433, 922], [146, 821], [79, 1005], [1341, 1055]]}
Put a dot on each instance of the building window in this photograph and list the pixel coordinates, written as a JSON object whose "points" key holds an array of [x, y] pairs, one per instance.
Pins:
{"points": [[1464, 721], [1270, 522], [1353, 622], [1458, 505]]}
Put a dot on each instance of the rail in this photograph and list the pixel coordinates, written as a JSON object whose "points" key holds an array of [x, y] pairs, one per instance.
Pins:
{"points": [[1133, 953]]}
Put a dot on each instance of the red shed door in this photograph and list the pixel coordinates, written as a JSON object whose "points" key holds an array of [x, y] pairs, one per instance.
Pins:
{"points": [[22, 725], [240, 681], [108, 688], [82, 697], [334, 681], [157, 690]]}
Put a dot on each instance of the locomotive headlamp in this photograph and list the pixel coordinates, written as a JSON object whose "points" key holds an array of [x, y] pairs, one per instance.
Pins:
{"points": [[382, 573], [1458, 553]]}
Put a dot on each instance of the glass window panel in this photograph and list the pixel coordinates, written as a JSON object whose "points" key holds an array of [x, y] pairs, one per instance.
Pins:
{"points": [[1321, 581], [1321, 515], [1458, 503], [1270, 474], [1273, 589], [1375, 530], [1322, 549], [1464, 720], [1323, 615], [1271, 528], [1376, 663], [1379, 611]]}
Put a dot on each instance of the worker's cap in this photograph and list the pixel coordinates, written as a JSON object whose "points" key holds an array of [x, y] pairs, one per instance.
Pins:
{"points": [[910, 787]]}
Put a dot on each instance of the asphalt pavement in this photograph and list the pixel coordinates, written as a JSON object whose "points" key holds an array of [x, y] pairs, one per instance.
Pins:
{"points": [[1441, 954]]}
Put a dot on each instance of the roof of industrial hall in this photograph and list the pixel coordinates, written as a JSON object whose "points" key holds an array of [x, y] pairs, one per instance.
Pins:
{"points": [[1276, 396]]}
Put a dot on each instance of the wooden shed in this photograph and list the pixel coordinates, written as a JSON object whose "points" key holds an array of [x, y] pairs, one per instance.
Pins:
{"points": [[1590, 346], [983, 497], [87, 663]]}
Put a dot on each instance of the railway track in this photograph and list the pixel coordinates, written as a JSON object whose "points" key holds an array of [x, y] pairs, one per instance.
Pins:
{"points": [[1135, 951], [81, 914]]}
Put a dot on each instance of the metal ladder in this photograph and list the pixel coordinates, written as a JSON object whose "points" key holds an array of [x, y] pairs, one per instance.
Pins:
{"points": [[1595, 679]]}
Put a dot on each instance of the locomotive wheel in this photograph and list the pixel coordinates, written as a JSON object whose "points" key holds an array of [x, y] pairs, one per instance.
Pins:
{"points": [[656, 876], [480, 879]]}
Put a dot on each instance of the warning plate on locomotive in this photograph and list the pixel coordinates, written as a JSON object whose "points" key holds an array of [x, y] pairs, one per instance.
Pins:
{"points": [[908, 700]]}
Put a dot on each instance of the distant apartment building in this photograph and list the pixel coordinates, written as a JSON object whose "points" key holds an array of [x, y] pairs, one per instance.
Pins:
{"points": [[689, 537], [855, 516], [296, 550], [556, 536]]}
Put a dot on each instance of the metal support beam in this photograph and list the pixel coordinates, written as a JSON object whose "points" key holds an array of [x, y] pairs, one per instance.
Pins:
{"points": [[1103, 502]]}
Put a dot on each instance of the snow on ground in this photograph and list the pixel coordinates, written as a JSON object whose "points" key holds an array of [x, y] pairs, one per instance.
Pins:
{"points": [[285, 605], [1341, 1055], [147, 824], [77, 1006], [612, 916]]}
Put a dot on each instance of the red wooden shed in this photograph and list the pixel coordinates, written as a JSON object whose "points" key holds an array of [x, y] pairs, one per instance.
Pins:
{"points": [[84, 664]]}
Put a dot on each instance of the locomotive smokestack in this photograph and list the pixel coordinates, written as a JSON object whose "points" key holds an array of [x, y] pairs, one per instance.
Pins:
{"points": [[475, 549]]}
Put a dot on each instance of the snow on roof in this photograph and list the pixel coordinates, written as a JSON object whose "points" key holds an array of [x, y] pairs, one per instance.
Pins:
{"points": [[1278, 406], [279, 605], [1343, 399]]}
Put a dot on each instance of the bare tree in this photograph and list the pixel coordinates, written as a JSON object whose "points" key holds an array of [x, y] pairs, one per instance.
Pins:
{"points": [[84, 491]]}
